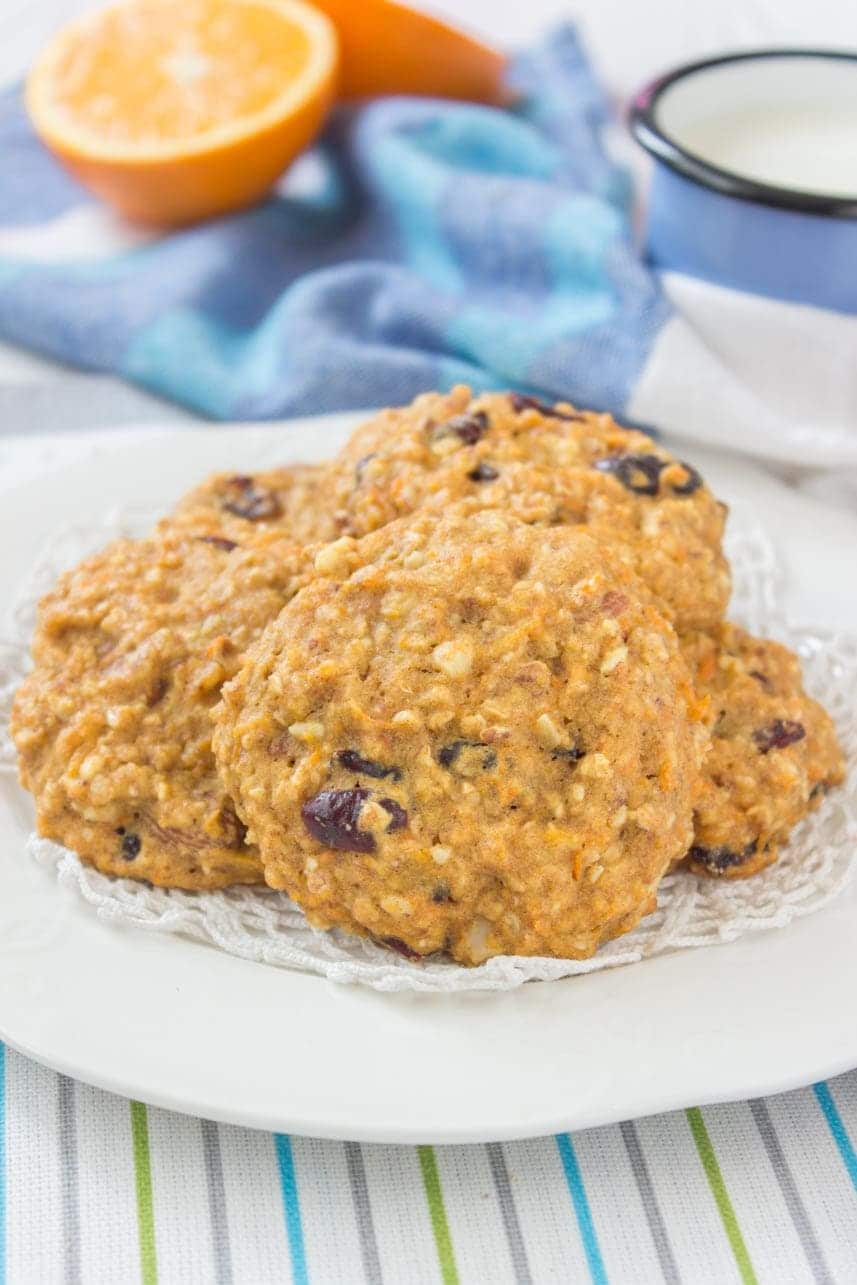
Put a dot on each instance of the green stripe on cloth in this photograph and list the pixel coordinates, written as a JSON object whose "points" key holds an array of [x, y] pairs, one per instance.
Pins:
{"points": [[145, 1204], [437, 1211], [721, 1195]]}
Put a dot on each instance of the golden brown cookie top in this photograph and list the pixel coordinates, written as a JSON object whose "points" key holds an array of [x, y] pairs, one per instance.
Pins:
{"points": [[113, 724], [773, 750], [466, 734], [293, 500], [546, 465]]}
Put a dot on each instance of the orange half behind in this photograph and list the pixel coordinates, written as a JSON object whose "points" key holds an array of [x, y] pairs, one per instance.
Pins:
{"points": [[389, 48], [178, 111]]}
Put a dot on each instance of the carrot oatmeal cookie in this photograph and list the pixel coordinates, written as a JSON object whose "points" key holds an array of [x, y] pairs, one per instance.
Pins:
{"points": [[113, 724], [548, 465], [773, 753], [466, 734]]}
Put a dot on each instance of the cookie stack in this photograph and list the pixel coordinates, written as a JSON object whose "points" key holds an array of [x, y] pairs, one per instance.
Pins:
{"points": [[467, 688]]}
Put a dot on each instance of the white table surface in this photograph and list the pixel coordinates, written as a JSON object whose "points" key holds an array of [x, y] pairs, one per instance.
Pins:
{"points": [[629, 39]]}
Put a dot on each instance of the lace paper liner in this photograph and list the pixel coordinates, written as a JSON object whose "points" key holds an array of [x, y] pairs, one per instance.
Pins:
{"points": [[264, 926]]}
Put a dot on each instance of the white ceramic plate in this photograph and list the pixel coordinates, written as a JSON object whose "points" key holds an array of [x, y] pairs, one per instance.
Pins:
{"points": [[184, 1026]]}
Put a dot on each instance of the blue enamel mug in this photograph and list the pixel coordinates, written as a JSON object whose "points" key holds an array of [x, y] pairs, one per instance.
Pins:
{"points": [[755, 177]]}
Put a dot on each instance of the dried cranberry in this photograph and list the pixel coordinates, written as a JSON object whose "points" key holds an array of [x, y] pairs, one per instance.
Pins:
{"points": [[638, 473], [130, 846], [483, 472], [219, 541], [398, 815], [521, 401], [613, 603], [246, 499], [693, 483], [719, 859], [332, 817], [158, 691], [779, 734], [401, 947], [469, 428], [233, 829], [449, 753], [353, 761], [571, 754]]}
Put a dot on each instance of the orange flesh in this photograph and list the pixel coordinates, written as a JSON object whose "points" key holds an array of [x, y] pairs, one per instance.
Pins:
{"points": [[148, 74]]}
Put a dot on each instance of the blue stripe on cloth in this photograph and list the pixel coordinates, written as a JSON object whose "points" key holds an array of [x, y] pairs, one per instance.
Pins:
{"points": [[291, 1208], [562, 98], [577, 261], [582, 1212], [451, 372], [190, 357], [486, 336], [836, 1125], [475, 140], [28, 168], [2, 1163], [414, 186]]}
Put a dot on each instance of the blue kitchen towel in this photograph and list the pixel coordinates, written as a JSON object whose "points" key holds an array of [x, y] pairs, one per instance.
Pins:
{"points": [[419, 244]]}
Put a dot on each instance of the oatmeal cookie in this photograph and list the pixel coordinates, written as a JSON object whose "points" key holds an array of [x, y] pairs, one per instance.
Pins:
{"points": [[466, 734], [293, 500], [548, 465], [773, 751], [113, 724]]}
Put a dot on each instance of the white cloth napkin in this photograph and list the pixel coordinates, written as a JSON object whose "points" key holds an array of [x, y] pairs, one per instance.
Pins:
{"points": [[759, 376]]}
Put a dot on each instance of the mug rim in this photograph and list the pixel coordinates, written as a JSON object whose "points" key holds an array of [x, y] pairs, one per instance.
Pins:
{"points": [[652, 136]]}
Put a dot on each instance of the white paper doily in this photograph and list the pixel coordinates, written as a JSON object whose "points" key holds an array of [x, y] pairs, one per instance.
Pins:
{"points": [[265, 926]]}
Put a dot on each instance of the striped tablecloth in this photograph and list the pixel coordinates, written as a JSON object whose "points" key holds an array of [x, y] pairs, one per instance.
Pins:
{"points": [[97, 1189]]}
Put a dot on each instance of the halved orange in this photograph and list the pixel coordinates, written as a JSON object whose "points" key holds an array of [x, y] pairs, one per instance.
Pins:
{"points": [[174, 110], [389, 48]]}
